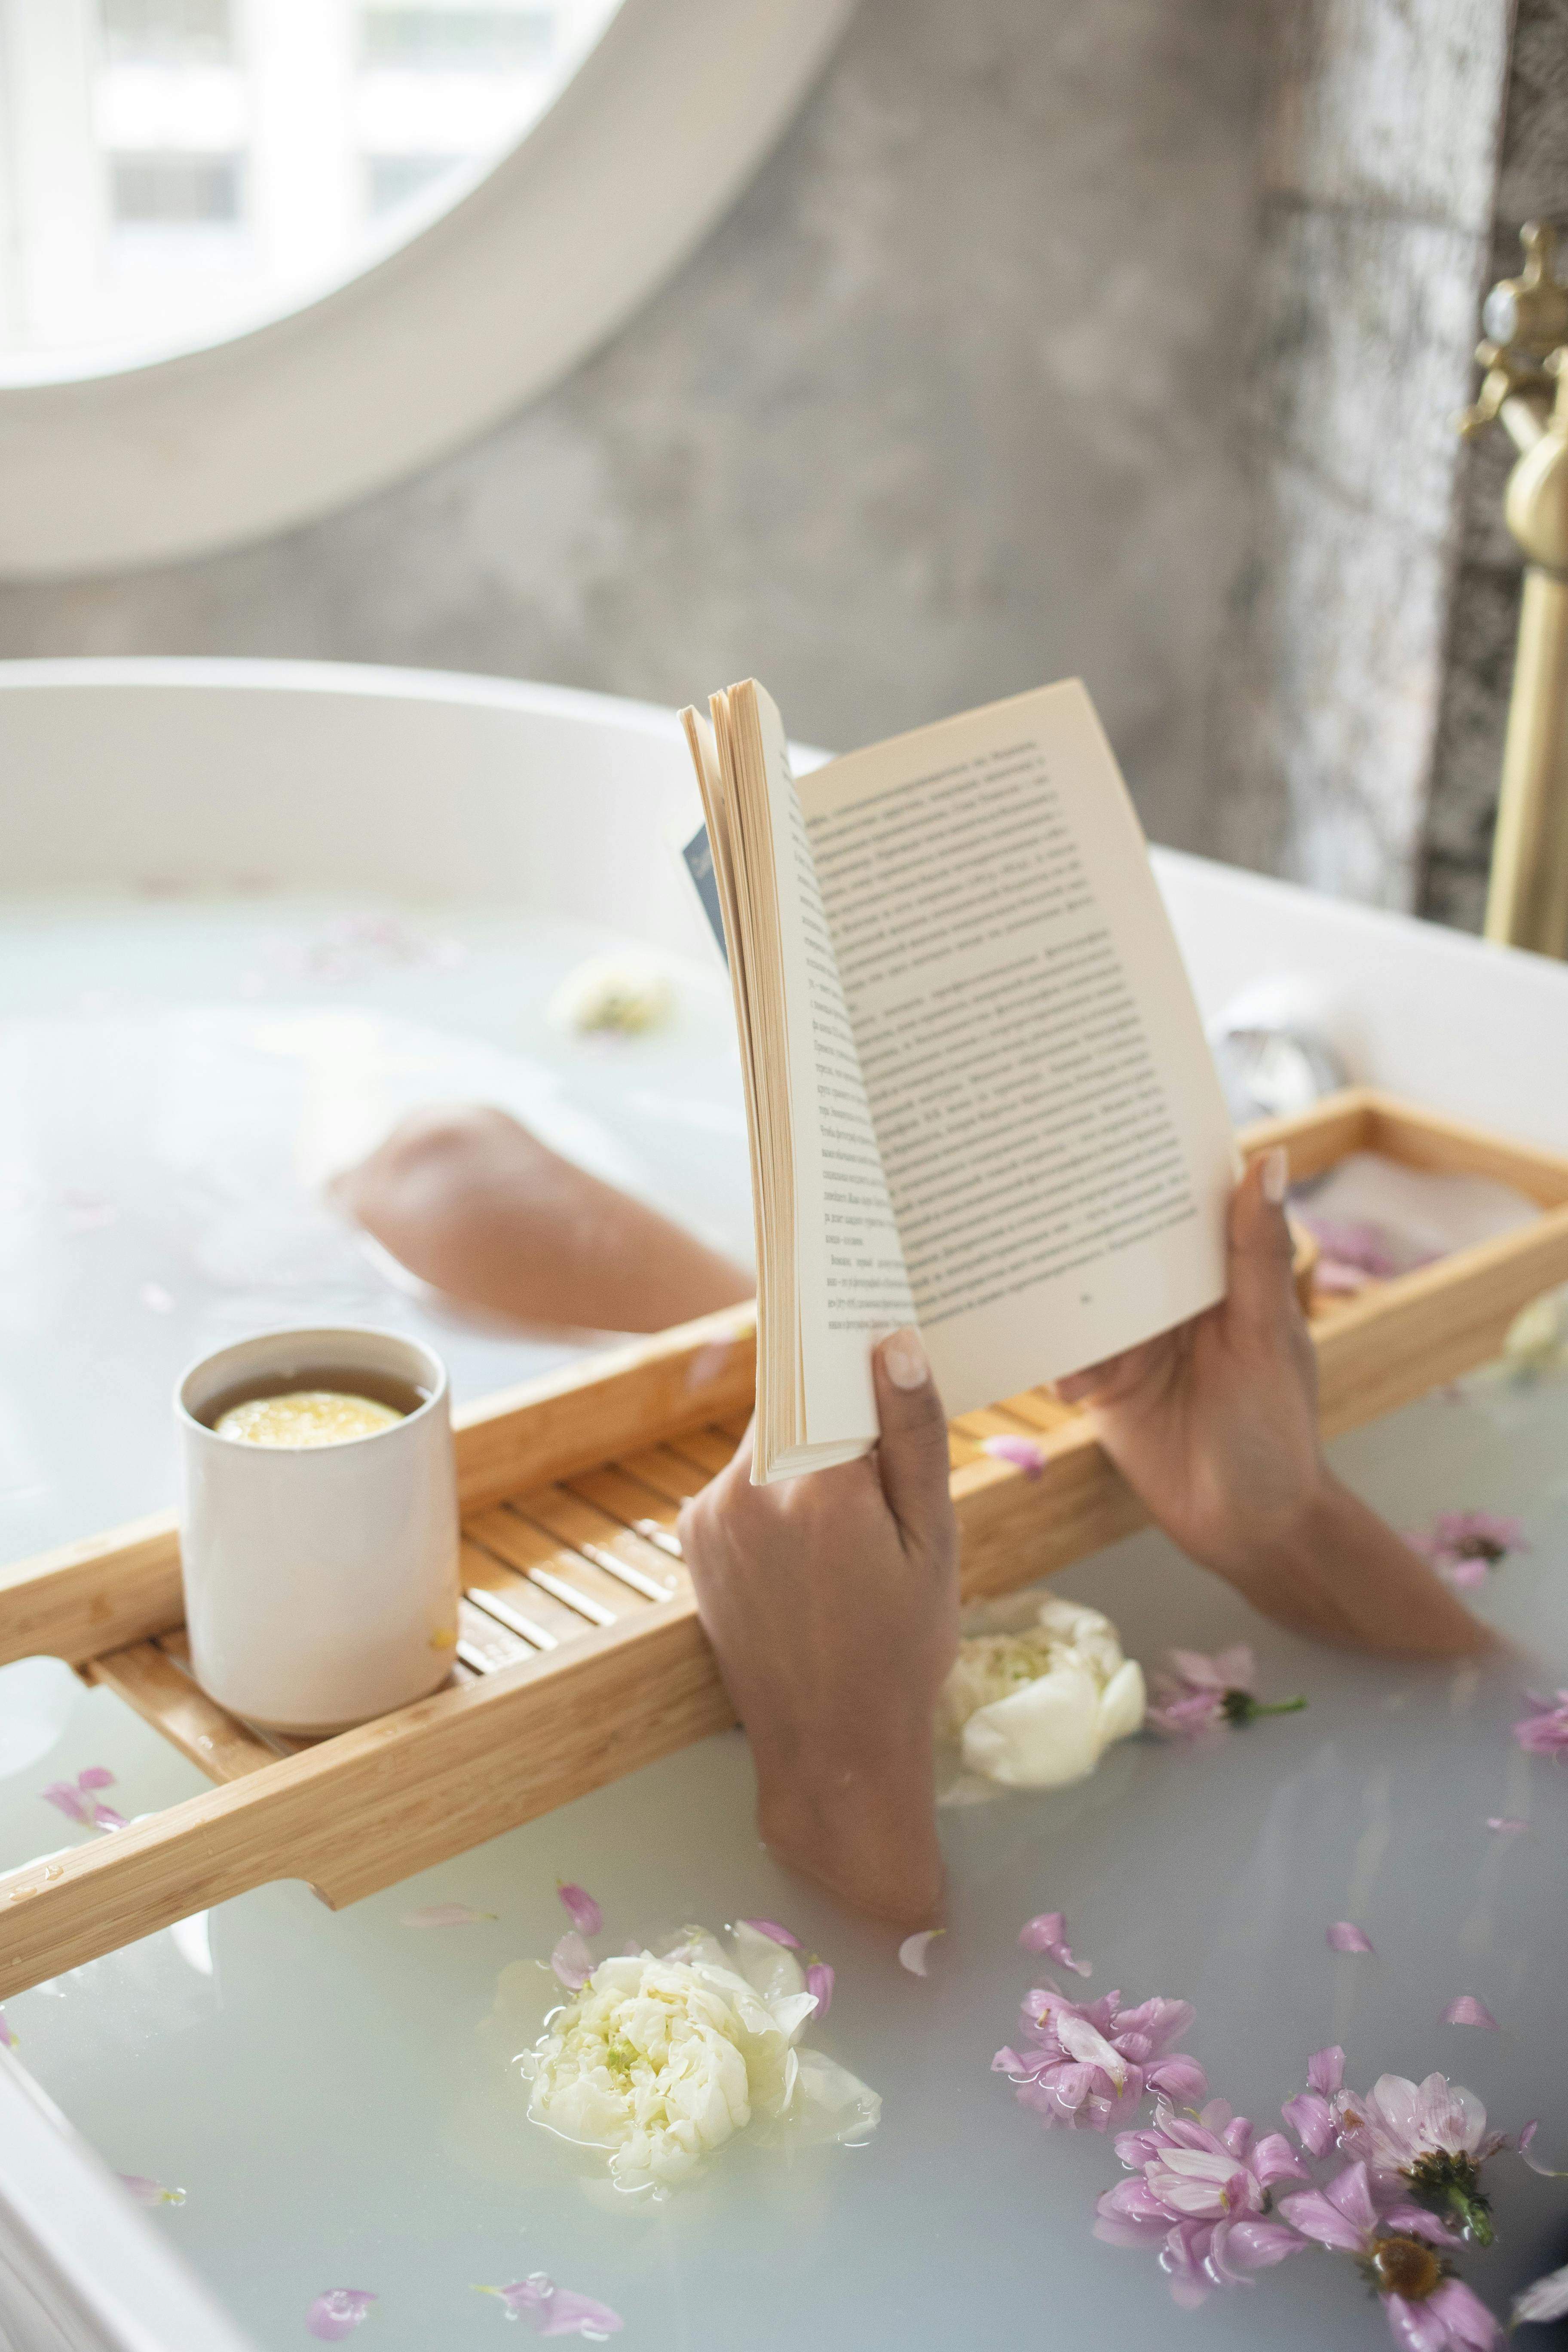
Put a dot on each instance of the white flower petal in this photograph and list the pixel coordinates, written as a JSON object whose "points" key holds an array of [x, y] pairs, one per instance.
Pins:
{"points": [[1122, 1703], [770, 1968], [792, 2014], [1042, 1736], [912, 1951], [1081, 2041], [831, 2103]]}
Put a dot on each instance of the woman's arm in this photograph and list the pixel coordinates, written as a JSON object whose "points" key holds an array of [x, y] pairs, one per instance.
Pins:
{"points": [[832, 1604], [1214, 1426]]}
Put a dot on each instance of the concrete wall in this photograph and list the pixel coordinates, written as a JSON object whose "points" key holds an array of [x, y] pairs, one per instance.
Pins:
{"points": [[1379, 173], [948, 406]]}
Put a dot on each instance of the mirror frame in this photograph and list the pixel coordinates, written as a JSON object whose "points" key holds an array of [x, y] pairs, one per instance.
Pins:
{"points": [[665, 120]]}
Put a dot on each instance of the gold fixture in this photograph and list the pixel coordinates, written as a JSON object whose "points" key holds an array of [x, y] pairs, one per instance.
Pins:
{"points": [[1526, 388]]}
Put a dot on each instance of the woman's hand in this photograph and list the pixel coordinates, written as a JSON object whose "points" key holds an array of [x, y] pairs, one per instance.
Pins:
{"points": [[1215, 1427], [832, 1604]]}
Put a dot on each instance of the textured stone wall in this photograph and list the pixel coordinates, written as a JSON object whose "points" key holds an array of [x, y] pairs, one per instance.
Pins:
{"points": [[1533, 184], [1379, 175], [948, 406]]}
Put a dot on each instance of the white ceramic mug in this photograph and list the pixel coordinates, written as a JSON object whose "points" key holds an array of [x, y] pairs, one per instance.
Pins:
{"points": [[321, 1581]]}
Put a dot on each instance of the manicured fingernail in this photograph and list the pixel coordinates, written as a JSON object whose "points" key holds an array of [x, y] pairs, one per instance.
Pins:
{"points": [[1276, 1175], [905, 1359]]}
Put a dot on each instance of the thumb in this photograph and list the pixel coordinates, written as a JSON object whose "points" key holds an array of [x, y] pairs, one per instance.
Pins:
{"points": [[911, 1454], [1260, 1289]]}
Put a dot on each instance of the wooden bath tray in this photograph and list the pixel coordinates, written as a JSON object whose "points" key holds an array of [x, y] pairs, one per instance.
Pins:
{"points": [[581, 1657]]}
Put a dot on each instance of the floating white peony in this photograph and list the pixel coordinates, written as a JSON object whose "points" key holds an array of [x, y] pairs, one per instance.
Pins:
{"points": [[628, 993], [1036, 1710], [661, 2060]]}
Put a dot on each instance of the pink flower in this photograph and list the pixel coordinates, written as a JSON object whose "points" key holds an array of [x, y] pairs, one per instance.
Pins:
{"points": [[771, 1928], [1201, 1694], [1395, 2248], [1021, 1452], [1432, 2137], [1464, 1547], [552, 2310], [820, 1979], [1344, 1936], [1202, 2192], [581, 1908], [79, 1802], [338, 2312], [1048, 1934], [1089, 2065], [572, 1961], [1545, 1734]]}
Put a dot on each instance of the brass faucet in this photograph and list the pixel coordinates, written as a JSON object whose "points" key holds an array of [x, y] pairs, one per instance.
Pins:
{"points": [[1525, 356]]}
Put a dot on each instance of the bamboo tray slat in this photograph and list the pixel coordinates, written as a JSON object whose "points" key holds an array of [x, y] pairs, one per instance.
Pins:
{"points": [[580, 1656]]}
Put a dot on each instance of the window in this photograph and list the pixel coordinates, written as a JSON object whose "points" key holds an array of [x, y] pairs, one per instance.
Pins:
{"points": [[172, 167], [258, 258]]}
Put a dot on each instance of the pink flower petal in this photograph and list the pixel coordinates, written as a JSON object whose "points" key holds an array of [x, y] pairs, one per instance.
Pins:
{"points": [[97, 1776], [155, 1298], [552, 2310], [104, 1817], [573, 1961], [1312, 2121], [150, 2192], [68, 1799], [445, 1915], [1544, 2298], [1526, 2140], [1048, 1934], [7, 2039], [1344, 1936], [584, 1912], [820, 1979], [1326, 2071], [1464, 1575], [338, 2312], [1021, 1452], [1467, 2011], [771, 1928], [1505, 1825], [913, 1949], [1545, 1734]]}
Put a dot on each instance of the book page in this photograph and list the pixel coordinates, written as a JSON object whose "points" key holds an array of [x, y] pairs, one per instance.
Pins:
{"points": [[852, 1284], [1056, 1148]]}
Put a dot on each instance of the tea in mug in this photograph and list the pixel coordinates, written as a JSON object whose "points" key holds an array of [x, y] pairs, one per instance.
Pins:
{"points": [[336, 1406]]}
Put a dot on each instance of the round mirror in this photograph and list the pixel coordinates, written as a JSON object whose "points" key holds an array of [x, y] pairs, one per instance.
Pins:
{"points": [[258, 258], [178, 170]]}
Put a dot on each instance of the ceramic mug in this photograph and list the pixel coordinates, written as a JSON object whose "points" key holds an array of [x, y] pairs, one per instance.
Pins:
{"points": [[321, 1581]]}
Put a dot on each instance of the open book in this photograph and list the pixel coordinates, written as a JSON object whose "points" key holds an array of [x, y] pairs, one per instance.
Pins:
{"points": [[978, 1092]]}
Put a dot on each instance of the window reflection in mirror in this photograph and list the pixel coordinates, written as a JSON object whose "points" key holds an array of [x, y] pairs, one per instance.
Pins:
{"points": [[172, 170]]}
